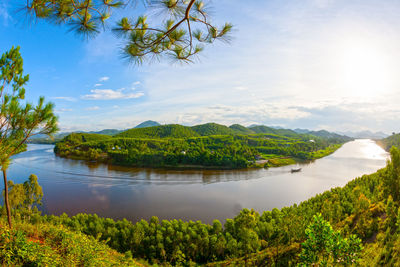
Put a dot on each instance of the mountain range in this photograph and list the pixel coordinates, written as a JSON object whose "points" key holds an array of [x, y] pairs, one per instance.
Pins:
{"points": [[148, 129]]}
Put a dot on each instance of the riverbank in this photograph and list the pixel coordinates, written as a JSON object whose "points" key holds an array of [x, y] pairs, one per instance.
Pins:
{"points": [[274, 161]]}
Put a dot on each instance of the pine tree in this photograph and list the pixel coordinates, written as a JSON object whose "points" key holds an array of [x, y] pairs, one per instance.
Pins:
{"points": [[182, 35], [18, 120]]}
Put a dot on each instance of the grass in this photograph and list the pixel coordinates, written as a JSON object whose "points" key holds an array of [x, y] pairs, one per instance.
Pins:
{"points": [[48, 245], [278, 162]]}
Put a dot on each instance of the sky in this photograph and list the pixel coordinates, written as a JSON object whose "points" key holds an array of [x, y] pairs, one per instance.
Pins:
{"points": [[315, 64]]}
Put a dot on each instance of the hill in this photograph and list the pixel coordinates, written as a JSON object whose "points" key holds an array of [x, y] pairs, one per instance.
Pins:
{"points": [[366, 134], [212, 129], [388, 142], [240, 129], [147, 124], [325, 134], [268, 130], [163, 131], [106, 132], [301, 131]]}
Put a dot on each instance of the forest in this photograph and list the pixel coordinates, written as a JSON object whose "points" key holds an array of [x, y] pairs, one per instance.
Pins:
{"points": [[208, 145]]}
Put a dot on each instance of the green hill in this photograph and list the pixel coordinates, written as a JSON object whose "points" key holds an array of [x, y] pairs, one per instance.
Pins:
{"points": [[388, 142], [212, 129], [240, 129], [163, 131]]}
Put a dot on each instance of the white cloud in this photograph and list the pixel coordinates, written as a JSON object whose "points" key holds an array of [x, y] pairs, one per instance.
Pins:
{"points": [[136, 83], [93, 108], [66, 98], [4, 15], [323, 3], [61, 110], [98, 84], [104, 79], [241, 88], [109, 94]]}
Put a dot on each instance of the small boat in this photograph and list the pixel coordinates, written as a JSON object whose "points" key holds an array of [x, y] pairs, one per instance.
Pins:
{"points": [[295, 170]]}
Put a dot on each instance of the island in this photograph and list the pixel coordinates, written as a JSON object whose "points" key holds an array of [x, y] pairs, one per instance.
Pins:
{"points": [[206, 146]]}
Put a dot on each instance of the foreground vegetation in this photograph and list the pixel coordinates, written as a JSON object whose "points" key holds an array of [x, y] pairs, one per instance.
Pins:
{"points": [[359, 224], [208, 145], [43, 244]]}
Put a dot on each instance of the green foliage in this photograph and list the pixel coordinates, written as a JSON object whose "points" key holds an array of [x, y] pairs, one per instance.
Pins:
{"points": [[171, 241], [47, 245], [24, 196], [324, 246], [392, 179], [390, 141], [181, 35]]}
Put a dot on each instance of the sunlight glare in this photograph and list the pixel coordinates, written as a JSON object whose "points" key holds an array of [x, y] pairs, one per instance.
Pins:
{"points": [[364, 69]]}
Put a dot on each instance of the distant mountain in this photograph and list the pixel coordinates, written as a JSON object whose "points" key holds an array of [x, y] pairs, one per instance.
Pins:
{"points": [[268, 130], [147, 124], [365, 134], [323, 133], [277, 127], [106, 132], [253, 125], [301, 131]]}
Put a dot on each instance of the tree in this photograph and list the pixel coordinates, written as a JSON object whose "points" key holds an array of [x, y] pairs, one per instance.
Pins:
{"points": [[24, 196], [392, 177], [18, 121], [325, 246], [181, 35], [245, 230]]}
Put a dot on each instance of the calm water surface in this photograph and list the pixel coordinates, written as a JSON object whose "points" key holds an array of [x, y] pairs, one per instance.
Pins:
{"points": [[73, 186]]}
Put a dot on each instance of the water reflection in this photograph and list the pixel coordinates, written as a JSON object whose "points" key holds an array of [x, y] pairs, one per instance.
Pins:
{"points": [[73, 186]]}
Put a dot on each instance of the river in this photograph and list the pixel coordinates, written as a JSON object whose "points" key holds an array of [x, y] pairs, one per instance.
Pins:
{"points": [[75, 186]]}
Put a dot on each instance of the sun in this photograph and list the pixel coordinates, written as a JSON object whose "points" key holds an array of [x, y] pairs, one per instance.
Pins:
{"points": [[363, 69]]}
